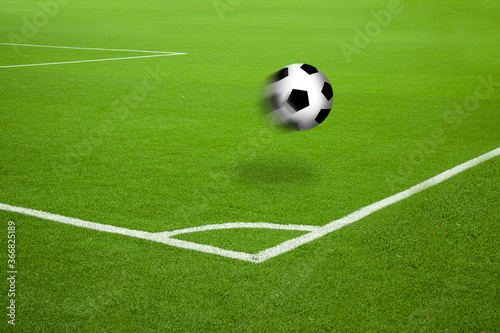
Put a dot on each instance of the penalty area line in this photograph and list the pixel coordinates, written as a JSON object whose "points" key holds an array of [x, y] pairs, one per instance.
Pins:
{"points": [[84, 48], [91, 60]]}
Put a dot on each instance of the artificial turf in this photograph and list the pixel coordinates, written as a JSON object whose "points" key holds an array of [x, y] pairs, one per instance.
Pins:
{"points": [[190, 148]]}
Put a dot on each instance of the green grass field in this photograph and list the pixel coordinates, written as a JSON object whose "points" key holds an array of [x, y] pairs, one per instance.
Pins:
{"points": [[174, 141]]}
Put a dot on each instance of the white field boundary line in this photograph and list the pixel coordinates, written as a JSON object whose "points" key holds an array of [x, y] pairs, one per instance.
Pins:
{"points": [[314, 231], [151, 55], [160, 237], [368, 210]]}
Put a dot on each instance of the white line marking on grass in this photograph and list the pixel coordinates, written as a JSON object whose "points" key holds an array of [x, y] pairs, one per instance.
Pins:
{"points": [[235, 225], [156, 237], [85, 48], [156, 54], [91, 60], [368, 210], [315, 232]]}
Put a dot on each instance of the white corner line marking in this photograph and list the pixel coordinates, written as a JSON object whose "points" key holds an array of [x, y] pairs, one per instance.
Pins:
{"points": [[236, 225], [155, 54], [156, 237], [368, 210], [314, 233]]}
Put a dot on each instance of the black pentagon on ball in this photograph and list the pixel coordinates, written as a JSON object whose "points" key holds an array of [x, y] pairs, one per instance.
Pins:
{"points": [[322, 114], [327, 91], [309, 69], [298, 99], [281, 74]]}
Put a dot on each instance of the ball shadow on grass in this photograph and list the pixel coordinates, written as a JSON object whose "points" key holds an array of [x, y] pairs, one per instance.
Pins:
{"points": [[275, 170]]}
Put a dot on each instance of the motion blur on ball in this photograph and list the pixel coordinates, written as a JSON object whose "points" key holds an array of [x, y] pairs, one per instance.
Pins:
{"points": [[299, 97]]}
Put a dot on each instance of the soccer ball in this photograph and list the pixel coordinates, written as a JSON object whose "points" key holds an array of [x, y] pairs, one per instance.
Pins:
{"points": [[299, 97]]}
